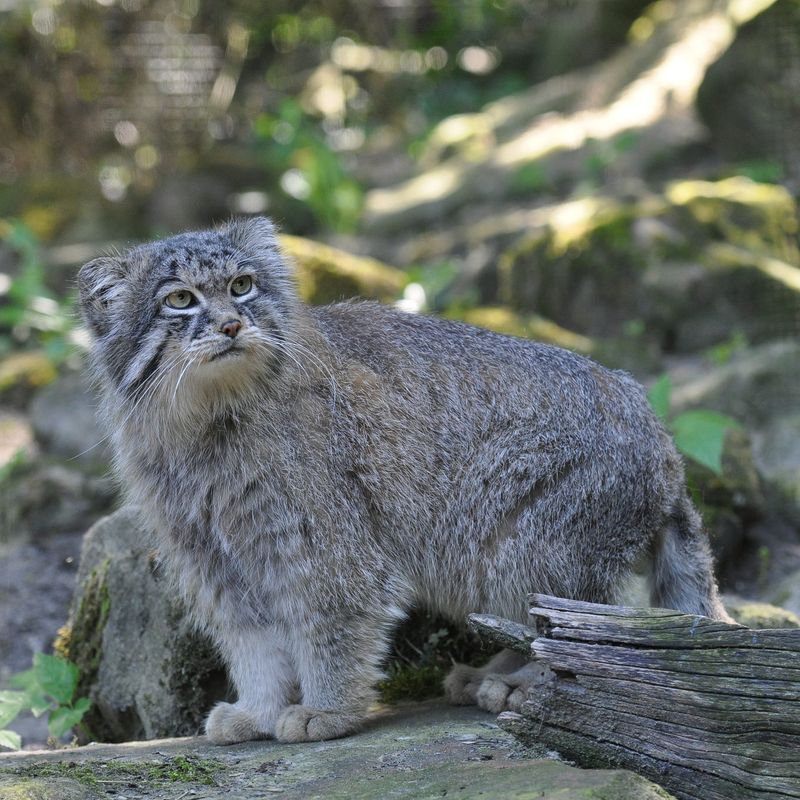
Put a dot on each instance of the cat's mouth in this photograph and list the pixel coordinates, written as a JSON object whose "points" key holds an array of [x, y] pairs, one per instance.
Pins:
{"points": [[229, 352]]}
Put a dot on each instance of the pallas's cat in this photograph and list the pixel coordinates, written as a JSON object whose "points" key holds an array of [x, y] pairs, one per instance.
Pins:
{"points": [[313, 473]]}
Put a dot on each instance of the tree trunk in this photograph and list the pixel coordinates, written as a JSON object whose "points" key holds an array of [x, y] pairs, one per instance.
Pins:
{"points": [[708, 709]]}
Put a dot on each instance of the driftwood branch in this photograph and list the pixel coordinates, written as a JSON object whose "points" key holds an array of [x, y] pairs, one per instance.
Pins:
{"points": [[709, 710]]}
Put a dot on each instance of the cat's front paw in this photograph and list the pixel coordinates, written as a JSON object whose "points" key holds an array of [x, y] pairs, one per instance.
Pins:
{"points": [[304, 724], [228, 723]]}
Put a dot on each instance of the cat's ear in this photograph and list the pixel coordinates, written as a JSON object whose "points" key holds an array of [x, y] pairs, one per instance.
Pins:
{"points": [[253, 234], [99, 282]]}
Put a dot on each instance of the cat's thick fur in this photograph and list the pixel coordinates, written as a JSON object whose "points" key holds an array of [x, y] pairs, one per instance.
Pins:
{"points": [[314, 474]]}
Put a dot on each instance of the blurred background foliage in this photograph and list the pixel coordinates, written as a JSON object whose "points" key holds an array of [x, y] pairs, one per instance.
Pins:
{"points": [[615, 176], [619, 177], [125, 119]]}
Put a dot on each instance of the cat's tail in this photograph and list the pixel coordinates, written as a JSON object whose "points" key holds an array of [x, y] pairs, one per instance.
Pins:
{"points": [[682, 575]]}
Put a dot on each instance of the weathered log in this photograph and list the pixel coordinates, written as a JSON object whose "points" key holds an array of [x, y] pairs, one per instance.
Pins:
{"points": [[709, 710]]}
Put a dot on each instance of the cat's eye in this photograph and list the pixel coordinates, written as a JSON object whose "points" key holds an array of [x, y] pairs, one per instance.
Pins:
{"points": [[181, 298], [241, 285]]}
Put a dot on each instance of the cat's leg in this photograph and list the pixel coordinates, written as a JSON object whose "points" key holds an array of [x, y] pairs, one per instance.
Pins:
{"points": [[507, 692], [338, 666], [261, 671], [463, 682]]}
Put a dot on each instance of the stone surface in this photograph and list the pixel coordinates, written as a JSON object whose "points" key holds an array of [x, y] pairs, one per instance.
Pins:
{"points": [[146, 671], [754, 386], [40, 498], [779, 455], [760, 388], [654, 269], [64, 422], [421, 751]]}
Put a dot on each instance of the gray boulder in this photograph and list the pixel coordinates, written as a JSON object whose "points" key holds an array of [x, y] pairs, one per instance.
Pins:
{"points": [[147, 672], [65, 423], [39, 499], [759, 388]]}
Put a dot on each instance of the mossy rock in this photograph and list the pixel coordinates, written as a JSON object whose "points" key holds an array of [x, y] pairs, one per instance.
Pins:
{"points": [[740, 211], [326, 274], [706, 259], [583, 271], [529, 326], [21, 374], [748, 99], [421, 751], [760, 615], [730, 501], [759, 388], [148, 673]]}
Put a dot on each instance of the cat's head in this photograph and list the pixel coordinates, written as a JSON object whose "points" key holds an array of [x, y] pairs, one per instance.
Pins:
{"points": [[206, 310]]}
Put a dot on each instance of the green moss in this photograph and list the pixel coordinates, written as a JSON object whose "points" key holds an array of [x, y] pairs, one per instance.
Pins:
{"points": [[165, 771], [529, 326], [326, 274], [197, 680], [84, 646], [762, 615], [83, 773], [425, 647], [407, 682], [44, 789]]}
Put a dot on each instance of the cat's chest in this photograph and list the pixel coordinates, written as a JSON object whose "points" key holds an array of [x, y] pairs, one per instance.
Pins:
{"points": [[219, 481]]}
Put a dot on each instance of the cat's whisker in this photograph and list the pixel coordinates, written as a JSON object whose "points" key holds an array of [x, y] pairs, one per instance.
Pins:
{"points": [[188, 364], [294, 349], [149, 391], [144, 391]]}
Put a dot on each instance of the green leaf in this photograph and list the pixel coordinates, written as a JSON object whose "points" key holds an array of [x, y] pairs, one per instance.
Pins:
{"points": [[63, 719], [56, 677], [10, 739], [38, 703], [83, 705], [11, 703], [35, 699], [659, 395], [24, 680], [700, 435]]}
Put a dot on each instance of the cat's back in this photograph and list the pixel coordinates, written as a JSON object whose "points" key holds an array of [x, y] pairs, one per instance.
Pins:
{"points": [[381, 336], [474, 373]]}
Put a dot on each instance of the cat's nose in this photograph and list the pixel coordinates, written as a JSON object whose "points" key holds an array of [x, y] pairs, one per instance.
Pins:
{"points": [[231, 327]]}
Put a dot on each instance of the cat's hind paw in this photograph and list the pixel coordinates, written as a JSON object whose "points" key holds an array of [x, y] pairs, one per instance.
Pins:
{"points": [[228, 723], [496, 694], [507, 692], [461, 685], [304, 724]]}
